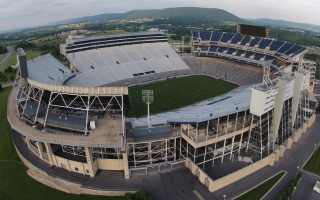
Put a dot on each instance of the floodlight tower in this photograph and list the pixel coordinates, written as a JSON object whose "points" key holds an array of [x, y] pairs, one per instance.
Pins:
{"points": [[266, 75], [300, 66], [148, 98]]}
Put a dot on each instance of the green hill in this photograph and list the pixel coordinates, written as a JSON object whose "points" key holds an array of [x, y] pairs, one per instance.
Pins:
{"points": [[208, 14], [201, 14]]}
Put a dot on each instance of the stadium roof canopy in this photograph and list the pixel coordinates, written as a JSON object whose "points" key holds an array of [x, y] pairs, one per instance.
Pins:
{"points": [[235, 101]]}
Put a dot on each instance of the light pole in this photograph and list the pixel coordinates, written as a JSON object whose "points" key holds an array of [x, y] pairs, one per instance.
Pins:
{"points": [[148, 98], [224, 197]]}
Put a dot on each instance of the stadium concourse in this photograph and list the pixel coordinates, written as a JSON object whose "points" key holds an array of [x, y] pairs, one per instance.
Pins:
{"points": [[72, 117]]}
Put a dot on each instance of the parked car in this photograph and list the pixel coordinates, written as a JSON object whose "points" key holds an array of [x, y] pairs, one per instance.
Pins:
{"points": [[316, 187]]}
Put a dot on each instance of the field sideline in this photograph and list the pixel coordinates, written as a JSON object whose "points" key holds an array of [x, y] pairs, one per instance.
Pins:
{"points": [[176, 93]]}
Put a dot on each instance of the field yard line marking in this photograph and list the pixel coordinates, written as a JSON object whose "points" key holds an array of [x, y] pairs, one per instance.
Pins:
{"points": [[262, 182], [198, 195]]}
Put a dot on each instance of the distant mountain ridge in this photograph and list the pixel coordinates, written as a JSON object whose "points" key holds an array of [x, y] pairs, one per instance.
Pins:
{"points": [[210, 14], [204, 13], [287, 24]]}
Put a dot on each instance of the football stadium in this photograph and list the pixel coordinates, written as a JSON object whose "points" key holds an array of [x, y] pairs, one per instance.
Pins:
{"points": [[129, 104]]}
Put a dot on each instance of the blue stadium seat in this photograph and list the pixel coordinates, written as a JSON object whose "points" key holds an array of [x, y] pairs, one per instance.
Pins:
{"points": [[195, 35], [245, 40], [221, 49], [204, 48], [236, 38], [230, 51], [258, 56], [276, 44], [249, 54], [240, 52], [299, 51], [264, 43], [226, 37], [216, 36], [254, 41], [293, 50], [285, 47], [205, 35], [213, 49], [268, 57]]}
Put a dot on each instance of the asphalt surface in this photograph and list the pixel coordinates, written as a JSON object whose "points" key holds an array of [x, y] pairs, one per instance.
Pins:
{"points": [[305, 188], [291, 162]]}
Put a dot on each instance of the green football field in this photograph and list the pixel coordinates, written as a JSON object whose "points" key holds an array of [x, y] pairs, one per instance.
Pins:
{"points": [[176, 93]]}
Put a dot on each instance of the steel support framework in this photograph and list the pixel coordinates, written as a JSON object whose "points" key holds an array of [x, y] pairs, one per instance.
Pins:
{"points": [[86, 104], [153, 153]]}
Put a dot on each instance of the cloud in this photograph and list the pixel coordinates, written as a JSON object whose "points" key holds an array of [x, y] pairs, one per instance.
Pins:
{"points": [[24, 13]]}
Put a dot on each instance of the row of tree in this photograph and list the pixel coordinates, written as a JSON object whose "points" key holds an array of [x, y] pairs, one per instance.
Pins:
{"points": [[3, 49]]}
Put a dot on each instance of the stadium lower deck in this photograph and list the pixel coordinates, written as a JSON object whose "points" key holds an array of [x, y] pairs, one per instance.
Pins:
{"points": [[81, 126]]}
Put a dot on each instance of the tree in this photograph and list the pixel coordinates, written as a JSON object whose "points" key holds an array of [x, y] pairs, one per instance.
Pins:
{"points": [[140, 195], [3, 49]]}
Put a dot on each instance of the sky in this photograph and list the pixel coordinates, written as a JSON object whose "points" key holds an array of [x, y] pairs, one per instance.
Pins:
{"points": [[26, 13]]}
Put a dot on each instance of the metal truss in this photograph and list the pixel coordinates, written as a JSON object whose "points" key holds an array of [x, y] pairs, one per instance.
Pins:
{"points": [[153, 153], [106, 153], [87, 104], [74, 150]]}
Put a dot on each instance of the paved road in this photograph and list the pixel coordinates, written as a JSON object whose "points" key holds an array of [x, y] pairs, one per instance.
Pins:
{"points": [[305, 187], [7, 56], [291, 160], [5, 85]]}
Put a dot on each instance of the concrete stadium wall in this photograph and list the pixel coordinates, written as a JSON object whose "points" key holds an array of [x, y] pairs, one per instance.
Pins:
{"points": [[69, 165], [110, 164], [246, 171], [215, 185], [63, 185], [198, 172]]}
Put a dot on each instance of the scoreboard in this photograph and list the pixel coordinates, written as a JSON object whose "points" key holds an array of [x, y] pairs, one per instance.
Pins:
{"points": [[246, 29]]}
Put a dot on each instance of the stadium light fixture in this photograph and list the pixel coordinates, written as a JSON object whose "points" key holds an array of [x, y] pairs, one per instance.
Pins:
{"points": [[148, 98]]}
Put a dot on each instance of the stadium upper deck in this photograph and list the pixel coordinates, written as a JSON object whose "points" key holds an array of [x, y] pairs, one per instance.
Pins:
{"points": [[98, 61], [77, 44], [245, 48]]}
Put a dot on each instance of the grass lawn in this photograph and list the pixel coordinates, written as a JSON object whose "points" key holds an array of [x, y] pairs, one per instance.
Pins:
{"points": [[313, 165], [15, 184], [261, 190], [176, 93], [13, 58], [2, 56], [31, 54]]}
